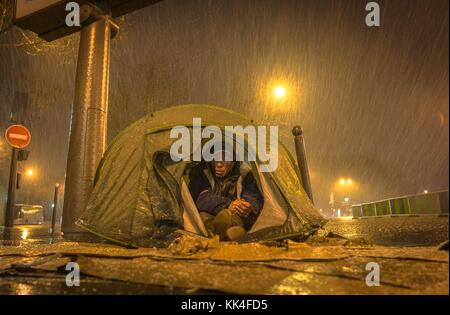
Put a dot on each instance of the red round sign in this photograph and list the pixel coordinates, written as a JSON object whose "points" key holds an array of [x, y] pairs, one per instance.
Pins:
{"points": [[18, 136]]}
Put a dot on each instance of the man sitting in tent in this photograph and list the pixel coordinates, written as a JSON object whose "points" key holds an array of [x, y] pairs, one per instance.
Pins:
{"points": [[228, 199]]}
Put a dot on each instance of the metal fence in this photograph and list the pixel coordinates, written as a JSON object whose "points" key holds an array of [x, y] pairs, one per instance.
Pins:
{"points": [[426, 203]]}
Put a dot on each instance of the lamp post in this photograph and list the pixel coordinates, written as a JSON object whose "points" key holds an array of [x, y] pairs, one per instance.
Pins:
{"points": [[55, 207]]}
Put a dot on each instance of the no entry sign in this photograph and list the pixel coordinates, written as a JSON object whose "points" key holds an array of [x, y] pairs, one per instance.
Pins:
{"points": [[18, 136]]}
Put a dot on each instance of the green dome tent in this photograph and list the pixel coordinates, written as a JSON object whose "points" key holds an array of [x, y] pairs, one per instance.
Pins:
{"points": [[140, 194]]}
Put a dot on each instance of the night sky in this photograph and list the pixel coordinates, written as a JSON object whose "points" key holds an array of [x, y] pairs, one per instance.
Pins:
{"points": [[373, 102]]}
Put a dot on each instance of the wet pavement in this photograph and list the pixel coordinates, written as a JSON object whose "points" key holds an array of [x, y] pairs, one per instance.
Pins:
{"points": [[32, 262], [394, 231], [387, 231]]}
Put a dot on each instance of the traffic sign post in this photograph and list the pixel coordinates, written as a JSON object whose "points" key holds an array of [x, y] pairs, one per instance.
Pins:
{"points": [[18, 137], [9, 213]]}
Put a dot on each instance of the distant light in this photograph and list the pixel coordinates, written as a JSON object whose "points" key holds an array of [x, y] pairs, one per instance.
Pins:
{"points": [[425, 191], [25, 234], [346, 199], [30, 172], [279, 91], [345, 181], [320, 210], [53, 205]]}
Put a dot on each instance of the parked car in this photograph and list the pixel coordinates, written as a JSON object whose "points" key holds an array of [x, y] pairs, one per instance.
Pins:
{"points": [[28, 214]]}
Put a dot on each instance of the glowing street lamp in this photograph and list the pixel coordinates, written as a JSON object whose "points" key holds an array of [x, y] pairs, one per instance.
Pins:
{"points": [[30, 172], [345, 181], [25, 234], [279, 92]]}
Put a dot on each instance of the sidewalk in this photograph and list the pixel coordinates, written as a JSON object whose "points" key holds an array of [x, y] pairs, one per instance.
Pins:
{"points": [[323, 265]]}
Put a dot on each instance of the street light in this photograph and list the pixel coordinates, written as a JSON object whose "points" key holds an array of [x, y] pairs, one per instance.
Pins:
{"points": [[345, 181], [279, 95], [279, 91], [30, 172], [25, 233]]}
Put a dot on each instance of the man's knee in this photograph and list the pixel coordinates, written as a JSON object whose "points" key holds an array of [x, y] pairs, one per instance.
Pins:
{"points": [[224, 220], [206, 216]]}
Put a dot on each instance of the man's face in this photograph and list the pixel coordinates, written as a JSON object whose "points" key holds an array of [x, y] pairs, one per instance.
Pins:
{"points": [[222, 168]]}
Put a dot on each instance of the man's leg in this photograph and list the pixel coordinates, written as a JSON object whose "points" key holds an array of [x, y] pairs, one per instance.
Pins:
{"points": [[208, 220], [225, 220]]}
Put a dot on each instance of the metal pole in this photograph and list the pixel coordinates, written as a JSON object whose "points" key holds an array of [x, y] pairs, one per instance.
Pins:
{"points": [[301, 160], [55, 207], [89, 118], [9, 214]]}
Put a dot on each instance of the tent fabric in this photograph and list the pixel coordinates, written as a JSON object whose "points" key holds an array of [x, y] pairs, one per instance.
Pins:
{"points": [[192, 221], [138, 196]]}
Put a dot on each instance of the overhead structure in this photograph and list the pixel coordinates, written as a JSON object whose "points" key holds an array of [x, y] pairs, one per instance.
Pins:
{"points": [[47, 18]]}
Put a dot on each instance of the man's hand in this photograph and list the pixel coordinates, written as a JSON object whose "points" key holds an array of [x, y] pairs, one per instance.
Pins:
{"points": [[241, 207]]}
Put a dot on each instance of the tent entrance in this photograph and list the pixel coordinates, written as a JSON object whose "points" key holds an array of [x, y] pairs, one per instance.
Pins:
{"points": [[273, 214]]}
